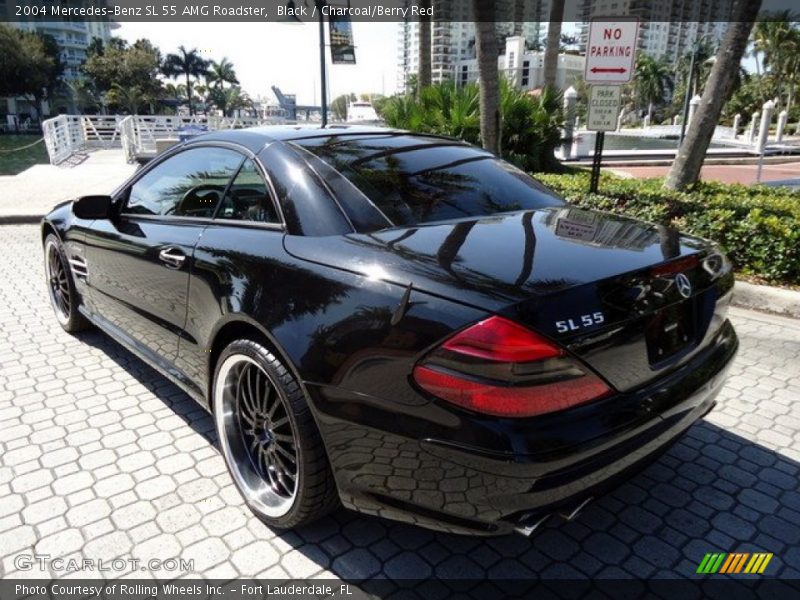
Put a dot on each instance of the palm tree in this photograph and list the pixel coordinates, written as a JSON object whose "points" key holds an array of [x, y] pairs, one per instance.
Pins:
{"points": [[776, 40], [81, 94], [131, 97], [229, 99], [553, 43], [424, 78], [686, 168], [653, 80], [188, 63], [486, 49], [222, 72]]}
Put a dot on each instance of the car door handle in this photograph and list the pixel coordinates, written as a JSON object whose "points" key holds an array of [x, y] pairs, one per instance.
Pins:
{"points": [[172, 257]]}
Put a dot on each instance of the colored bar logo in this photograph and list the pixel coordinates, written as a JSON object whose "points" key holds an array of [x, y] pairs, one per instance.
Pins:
{"points": [[734, 562]]}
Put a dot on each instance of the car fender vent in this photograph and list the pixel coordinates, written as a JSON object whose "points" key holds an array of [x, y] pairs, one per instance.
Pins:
{"points": [[79, 267]]}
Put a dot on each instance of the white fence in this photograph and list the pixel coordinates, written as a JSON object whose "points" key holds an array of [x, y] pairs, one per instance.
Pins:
{"points": [[137, 135]]}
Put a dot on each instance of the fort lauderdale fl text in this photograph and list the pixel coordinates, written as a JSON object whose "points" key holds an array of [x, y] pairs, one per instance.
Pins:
{"points": [[72, 590]]}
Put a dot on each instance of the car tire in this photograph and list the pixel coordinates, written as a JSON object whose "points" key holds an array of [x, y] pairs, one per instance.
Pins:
{"points": [[64, 297], [262, 418]]}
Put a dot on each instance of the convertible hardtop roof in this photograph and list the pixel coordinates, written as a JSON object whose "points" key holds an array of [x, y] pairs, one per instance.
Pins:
{"points": [[255, 138]]}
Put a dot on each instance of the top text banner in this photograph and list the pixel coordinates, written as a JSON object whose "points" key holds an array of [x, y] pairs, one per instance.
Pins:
{"points": [[287, 11]]}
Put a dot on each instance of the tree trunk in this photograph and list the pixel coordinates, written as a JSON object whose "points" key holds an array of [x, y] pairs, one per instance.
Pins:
{"points": [[189, 94], [424, 76], [553, 43], [685, 171], [486, 49]]}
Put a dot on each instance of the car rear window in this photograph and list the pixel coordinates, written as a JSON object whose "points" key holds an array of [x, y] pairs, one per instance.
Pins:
{"points": [[421, 179]]}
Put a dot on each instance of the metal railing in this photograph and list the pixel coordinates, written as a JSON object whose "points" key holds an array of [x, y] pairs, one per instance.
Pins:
{"points": [[66, 135], [137, 135]]}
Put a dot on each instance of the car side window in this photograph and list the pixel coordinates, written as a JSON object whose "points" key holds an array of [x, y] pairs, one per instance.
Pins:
{"points": [[189, 184], [248, 198]]}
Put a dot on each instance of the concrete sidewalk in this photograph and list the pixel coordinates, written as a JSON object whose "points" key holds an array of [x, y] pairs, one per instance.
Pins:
{"points": [[31, 194]]}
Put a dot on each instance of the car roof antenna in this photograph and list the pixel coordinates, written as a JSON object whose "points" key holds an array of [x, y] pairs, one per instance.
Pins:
{"points": [[401, 309]]}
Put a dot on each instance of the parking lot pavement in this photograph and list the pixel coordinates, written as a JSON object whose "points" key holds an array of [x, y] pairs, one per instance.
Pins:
{"points": [[101, 458]]}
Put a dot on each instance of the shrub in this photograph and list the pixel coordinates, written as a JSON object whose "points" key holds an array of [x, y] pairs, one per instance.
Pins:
{"points": [[530, 124], [758, 226]]}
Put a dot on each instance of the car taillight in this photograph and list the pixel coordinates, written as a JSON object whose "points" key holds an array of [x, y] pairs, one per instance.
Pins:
{"points": [[500, 368]]}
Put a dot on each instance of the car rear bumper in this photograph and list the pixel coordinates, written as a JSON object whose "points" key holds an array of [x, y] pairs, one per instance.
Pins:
{"points": [[441, 468]]}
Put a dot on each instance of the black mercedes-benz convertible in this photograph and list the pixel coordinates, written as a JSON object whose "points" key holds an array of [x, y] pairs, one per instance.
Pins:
{"points": [[400, 323]]}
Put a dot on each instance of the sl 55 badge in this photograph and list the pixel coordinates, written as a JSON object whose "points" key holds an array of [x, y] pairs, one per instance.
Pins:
{"points": [[580, 322]]}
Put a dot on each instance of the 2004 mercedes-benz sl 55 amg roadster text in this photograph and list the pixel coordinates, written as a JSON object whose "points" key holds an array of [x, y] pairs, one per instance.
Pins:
{"points": [[400, 323]]}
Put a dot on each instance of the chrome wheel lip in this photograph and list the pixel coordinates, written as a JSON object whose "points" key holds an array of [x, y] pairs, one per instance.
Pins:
{"points": [[258, 492], [57, 283]]}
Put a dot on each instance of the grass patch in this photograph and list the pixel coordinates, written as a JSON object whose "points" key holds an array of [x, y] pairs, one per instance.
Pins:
{"points": [[13, 161]]}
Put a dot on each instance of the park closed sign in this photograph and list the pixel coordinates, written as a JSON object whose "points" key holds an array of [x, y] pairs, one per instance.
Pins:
{"points": [[604, 103], [611, 51]]}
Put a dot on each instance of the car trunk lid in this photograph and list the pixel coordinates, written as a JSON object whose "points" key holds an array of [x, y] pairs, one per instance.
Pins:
{"points": [[602, 285]]}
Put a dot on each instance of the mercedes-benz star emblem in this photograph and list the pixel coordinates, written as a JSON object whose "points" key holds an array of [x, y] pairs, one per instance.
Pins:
{"points": [[683, 284]]}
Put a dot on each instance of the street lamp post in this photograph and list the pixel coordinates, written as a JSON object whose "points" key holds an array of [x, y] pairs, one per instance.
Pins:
{"points": [[322, 67], [319, 5]]}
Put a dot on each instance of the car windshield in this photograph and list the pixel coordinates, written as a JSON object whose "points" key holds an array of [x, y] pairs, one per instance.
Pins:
{"points": [[418, 179]]}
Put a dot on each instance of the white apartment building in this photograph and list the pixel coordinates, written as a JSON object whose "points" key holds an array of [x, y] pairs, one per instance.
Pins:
{"points": [[73, 38], [525, 68], [453, 42], [669, 28]]}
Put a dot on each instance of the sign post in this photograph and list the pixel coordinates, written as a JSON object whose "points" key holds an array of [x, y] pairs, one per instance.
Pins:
{"points": [[604, 102], [610, 62]]}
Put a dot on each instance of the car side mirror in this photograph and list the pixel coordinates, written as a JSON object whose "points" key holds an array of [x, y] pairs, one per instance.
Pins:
{"points": [[92, 207]]}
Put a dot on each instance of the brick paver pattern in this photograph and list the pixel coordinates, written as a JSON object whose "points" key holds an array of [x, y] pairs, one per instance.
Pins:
{"points": [[101, 457]]}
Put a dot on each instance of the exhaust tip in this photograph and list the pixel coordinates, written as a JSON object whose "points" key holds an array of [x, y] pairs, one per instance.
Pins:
{"points": [[527, 530], [572, 515]]}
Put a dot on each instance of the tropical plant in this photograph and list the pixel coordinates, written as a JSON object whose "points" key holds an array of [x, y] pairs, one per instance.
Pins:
{"points": [[188, 64], [685, 169], [81, 94], [31, 64], [220, 73], [776, 47], [130, 97], [531, 127], [229, 99], [653, 79], [117, 65], [530, 123]]}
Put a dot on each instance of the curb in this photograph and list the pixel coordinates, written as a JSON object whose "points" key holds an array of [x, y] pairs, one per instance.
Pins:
{"points": [[768, 299], [20, 219]]}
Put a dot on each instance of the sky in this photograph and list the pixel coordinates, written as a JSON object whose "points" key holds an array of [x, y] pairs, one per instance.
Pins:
{"points": [[266, 54]]}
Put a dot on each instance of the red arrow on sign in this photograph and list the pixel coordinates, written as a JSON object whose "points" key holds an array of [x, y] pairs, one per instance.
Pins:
{"points": [[608, 70]]}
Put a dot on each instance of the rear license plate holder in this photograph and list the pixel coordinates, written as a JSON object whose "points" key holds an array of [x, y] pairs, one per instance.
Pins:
{"points": [[670, 331]]}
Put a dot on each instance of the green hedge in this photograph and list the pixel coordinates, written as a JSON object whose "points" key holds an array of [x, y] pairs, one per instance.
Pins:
{"points": [[758, 226]]}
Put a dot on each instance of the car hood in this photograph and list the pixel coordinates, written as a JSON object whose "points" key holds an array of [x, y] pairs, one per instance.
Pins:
{"points": [[490, 262]]}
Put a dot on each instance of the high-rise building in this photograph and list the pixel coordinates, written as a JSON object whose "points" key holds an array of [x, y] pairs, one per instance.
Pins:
{"points": [[669, 28], [453, 35]]}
